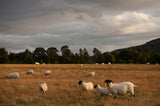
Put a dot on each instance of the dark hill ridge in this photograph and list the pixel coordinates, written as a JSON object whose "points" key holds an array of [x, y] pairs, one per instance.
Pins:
{"points": [[153, 45]]}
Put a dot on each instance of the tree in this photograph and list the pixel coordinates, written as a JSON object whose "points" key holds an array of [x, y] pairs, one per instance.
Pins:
{"points": [[67, 55], [40, 54], [109, 57], [3, 56], [98, 56], [52, 56], [28, 57], [84, 56]]}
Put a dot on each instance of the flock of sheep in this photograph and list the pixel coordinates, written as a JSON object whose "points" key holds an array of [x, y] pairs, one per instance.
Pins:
{"points": [[111, 89]]}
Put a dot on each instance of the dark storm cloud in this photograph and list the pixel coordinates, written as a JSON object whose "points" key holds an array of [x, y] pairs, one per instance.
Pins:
{"points": [[104, 24]]}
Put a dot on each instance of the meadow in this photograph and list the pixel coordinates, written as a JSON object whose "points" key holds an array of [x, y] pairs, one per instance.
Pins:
{"points": [[63, 88]]}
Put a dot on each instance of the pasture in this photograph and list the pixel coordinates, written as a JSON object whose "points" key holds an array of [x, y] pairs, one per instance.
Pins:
{"points": [[63, 88]]}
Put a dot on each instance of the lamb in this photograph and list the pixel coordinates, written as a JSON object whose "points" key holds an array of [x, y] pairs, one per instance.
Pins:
{"points": [[13, 75], [102, 91], [90, 74], [30, 72], [43, 87], [86, 85], [48, 72], [120, 88]]}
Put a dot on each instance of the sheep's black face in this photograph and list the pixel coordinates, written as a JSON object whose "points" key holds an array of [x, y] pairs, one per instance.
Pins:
{"points": [[95, 86], [80, 82], [108, 82]]}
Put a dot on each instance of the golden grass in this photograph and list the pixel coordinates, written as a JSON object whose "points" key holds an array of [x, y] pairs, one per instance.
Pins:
{"points": [[63, 86]]}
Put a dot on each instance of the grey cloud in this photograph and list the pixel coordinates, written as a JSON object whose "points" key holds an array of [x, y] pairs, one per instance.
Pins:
{"points": [[77, 23]]}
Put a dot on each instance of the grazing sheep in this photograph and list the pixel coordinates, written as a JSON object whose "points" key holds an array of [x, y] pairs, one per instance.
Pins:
{"points": [[37, 63], [86, 85], [48, 72], [102, 63], [81, 65], [30, 72], [43, 87], [90, 74], [120, 88], [102, 91], [13, 75], [109, 62]]}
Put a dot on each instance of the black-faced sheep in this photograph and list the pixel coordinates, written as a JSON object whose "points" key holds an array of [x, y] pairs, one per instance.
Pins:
{"points": [[13, 75], [120, 88], [102, 91], [30, 72], [48, 72], [90, 74], [86, 85]]}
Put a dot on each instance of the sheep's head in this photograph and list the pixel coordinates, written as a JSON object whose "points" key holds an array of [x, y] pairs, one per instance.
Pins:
{"points": [[6, 77], [80, 82], [108, 82], [96, 86], [44, 83]]}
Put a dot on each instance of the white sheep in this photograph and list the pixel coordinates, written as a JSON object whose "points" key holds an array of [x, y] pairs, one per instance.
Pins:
{"points": [[30, 72], [109, 62], [90, 74], [86, 85], [81, 65], [37, 63], [13, 75], [102, 91], [48, 72], [43, 87], [102, 63], [120, 88]]}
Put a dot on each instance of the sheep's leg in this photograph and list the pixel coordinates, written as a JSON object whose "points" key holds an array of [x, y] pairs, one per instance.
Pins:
{"points": [[115, 96], [132, 95]]}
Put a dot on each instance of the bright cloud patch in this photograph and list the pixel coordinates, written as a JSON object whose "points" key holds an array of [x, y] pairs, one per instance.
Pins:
{"points": [[134, 23]]}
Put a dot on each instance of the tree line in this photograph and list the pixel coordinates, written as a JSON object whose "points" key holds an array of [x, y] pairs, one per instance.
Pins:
{"points": [[52, 56]]}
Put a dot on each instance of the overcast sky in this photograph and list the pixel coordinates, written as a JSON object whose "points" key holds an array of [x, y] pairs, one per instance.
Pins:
{"points": [[103, 24]]}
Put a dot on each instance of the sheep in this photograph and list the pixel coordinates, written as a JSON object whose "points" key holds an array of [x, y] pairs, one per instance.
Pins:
{"points": [[120, 88], [102, 91], [48, 72], [102, 63], [90, 74], [43, 87], [30, 72], [36, 63], [109, 62], [86, 85], [13, 75], [81, 65]]}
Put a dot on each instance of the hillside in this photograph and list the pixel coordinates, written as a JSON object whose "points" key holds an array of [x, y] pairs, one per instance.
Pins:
{"points": [[153, 45]]}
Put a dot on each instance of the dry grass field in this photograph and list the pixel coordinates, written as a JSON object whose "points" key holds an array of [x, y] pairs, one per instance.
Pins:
{"points": [[63, 88]]}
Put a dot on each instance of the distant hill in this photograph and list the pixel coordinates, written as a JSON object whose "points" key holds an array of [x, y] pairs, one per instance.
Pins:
{"points": [[153, 45]]}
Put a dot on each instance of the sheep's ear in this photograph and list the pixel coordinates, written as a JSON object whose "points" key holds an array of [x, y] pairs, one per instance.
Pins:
{"points": [[80, 82], [95, 86], [108, 81]]}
